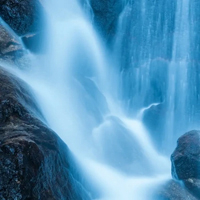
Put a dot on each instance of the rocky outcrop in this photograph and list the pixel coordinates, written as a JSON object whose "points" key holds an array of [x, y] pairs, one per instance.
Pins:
{"points": [[26, 19], [21, 15], [186, 162], [10, 48], [34, 162]]}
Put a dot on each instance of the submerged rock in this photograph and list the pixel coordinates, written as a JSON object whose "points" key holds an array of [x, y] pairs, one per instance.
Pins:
{"points": [[34, 162]]}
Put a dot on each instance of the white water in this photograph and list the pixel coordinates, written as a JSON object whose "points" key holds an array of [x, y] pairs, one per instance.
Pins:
{"points": [[71, 82], [177, 75]]}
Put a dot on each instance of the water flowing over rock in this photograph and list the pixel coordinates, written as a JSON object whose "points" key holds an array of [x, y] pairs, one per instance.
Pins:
{"points": [[106, 14], [186, 157], [35, 162]]}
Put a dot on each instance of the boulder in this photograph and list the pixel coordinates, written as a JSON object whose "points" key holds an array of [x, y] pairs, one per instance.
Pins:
{"points": [[34, 162], [10, 48], [21, 15], [186, 157], [186, 162]]}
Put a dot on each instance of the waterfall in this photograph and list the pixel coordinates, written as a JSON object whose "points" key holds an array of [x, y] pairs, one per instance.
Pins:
{"points": [[155, 48], [177, 73], [98, 107]]}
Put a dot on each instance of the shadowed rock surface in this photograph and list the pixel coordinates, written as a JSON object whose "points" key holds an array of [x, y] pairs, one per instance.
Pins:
{"points": [[106, 13], [173, 191], [21, 15], [11, 50], [34, 162]]}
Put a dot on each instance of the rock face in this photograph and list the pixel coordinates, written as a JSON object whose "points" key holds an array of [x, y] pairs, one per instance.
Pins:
{"points": [[34, 162], [186, 161], [21, 15], [10, 48], [106, 13]]}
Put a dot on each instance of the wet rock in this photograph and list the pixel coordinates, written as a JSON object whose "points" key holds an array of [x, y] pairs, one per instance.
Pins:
{"points": [[193, 185], [106, 13], [10, 47], [186, 161], [21, 15], [173, 190], [34, 162], [186, 157]]}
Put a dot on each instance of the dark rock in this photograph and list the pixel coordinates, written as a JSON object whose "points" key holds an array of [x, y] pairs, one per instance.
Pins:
{"points": [[34, 42], [21, 15], [186, 157], [173, 190], [106, 14], [34, 162], [193, 185], [10, 47], [186, 162]]}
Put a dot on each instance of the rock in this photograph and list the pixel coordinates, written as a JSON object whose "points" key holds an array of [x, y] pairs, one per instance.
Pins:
{"points": [[193, 185], [173, 190], [186, 161], [106, 13], [34, 162], [186, 157], [21, 15], [10, 48]]}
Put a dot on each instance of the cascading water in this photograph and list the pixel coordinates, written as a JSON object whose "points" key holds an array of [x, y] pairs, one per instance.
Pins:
{"points": [[74, 89], [177, 73], [156, 49]]}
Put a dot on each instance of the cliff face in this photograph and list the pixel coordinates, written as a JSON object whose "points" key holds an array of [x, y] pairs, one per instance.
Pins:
{"points": [[35, 162]]}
